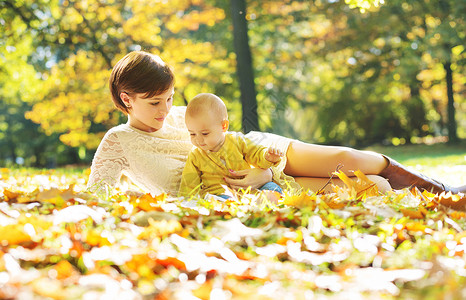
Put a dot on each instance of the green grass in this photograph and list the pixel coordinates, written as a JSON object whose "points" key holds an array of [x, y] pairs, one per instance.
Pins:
{"points": [[444, 162]]}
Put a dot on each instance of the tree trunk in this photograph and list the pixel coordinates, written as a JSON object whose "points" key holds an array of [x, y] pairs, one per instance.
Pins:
{"points": [[244, 68], [452, 135]]}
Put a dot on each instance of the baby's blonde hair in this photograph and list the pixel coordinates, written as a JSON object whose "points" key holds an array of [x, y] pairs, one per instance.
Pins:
{"points": [[206, 102]]}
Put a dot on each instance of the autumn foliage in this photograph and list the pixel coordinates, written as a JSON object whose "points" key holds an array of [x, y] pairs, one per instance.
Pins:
{"points": [[323, 70], [58, 241]]}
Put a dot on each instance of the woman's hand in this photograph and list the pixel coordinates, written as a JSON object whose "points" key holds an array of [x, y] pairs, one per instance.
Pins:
{"points": [[254, 177]]}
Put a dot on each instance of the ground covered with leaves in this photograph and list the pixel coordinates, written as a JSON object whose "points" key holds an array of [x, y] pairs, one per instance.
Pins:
{"points": [[59, 242]]}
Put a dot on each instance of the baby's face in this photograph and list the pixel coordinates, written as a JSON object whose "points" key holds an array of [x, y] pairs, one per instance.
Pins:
{"points": [[206, 131]]}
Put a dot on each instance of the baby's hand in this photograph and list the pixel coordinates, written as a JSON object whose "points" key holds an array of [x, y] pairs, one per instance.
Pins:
{"points": [[273, 155]]}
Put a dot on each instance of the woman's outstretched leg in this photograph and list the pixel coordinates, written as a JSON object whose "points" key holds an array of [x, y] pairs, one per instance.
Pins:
{"points": [[316, 161], [309, 160]]}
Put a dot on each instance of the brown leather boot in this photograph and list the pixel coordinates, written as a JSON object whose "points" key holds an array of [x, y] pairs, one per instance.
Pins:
{"points": [[400, 177]]}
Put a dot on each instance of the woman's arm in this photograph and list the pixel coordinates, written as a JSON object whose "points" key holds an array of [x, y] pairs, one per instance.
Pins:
{"points": [[107, 166], [254, 177]]}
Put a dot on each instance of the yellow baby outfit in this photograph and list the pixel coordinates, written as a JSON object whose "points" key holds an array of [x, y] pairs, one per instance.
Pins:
{"points": [[205, 171]]}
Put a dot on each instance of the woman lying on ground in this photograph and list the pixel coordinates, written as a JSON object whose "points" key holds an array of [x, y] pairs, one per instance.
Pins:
{"points": [[152, 147]]}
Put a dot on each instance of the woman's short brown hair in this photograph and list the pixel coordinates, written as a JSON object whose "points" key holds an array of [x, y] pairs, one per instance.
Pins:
{"points": [[139, 72]]}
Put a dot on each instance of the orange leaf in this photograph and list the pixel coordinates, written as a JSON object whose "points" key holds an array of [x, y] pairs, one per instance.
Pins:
{"points": [[142, 264], [454, 201], [172, 261], [283, 240], [9, 195], [333, 204], [77, 249], [415, 226], [413, 214], [148, 203], [65, 270], [458, 215]]}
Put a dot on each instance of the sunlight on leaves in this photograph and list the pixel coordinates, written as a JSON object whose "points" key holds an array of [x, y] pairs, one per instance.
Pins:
{"points": [[65, 243]]}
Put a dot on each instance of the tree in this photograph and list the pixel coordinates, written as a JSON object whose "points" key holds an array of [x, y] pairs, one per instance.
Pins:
{"points": [[85, 39], [341, 70], [244, 65], [403, 42], [323, 71], [22, 141]]}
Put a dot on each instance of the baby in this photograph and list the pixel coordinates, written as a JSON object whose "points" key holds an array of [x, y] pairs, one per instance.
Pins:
{"points": [[218, 151]]}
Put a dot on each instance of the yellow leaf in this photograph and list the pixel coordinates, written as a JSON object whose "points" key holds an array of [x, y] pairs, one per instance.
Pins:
{"points": [[203, 291], [346, 180], [13, 235], [55, 195], [301, 200], [363, 186], [39, 223], [398, 197], [139, 260], [95, 239], [48, 288], [160, 229]]}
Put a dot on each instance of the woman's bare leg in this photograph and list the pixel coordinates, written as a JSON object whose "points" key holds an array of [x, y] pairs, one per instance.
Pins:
{"points": [[309, 160], [316, 161], [315, 184]]}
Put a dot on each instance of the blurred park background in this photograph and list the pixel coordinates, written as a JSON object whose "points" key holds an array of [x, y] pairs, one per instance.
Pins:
{"points": [[359, 74]]}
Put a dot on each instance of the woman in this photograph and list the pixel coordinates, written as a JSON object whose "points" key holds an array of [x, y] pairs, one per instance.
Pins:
{"points": [[152, 147]]}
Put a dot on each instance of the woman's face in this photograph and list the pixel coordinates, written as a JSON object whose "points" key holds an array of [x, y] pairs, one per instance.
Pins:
{"points": [[148, 114]]}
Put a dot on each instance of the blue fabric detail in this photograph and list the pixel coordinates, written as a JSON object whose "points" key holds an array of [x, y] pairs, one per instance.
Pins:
{"points": [[226, 197], [271, 186]]}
